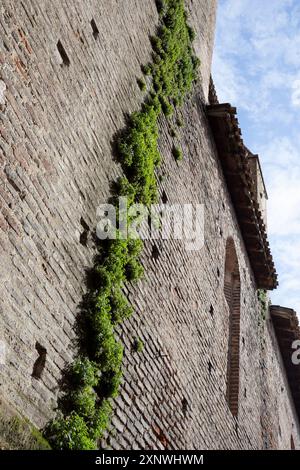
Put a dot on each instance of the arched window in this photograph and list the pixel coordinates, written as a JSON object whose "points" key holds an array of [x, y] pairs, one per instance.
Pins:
{"points": [[232, 288]]}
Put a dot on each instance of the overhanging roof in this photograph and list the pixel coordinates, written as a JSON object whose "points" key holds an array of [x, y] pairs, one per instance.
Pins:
{"points": [[287, 330], [234, 159]]}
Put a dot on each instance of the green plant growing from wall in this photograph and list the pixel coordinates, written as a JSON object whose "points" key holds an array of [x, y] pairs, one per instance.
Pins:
{"points": [[96, 374], [137, 345], [179, 122], [177, 153], [141, 84], [262, 296], [173, 133]]}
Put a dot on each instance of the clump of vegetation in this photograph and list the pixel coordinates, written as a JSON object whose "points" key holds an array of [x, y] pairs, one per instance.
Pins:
{"points": [[161, 6], [70, 432], [139, 152], [146, 69], [18, 433], [96, 375], [141, 84], [137, 345], [83, 372], [262, 296], [177, 153], [173, 133], [179, 122]]}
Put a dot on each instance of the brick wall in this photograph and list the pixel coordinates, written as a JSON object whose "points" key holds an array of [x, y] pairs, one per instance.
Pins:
{"points": [[59, 115]]}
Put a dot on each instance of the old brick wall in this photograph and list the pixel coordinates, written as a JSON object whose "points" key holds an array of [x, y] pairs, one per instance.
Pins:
{"points": [[57, 126], [278, 413], [183, 319], [56, 130]]}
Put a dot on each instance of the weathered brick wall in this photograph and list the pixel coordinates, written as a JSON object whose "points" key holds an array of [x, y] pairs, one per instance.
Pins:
{"points": [[278, 413], [56, 165], [57, 126]]}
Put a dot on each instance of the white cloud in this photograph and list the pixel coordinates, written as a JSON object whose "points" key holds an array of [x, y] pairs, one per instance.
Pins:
{"points": [[230, 85], [260, 40], [281, 163]]}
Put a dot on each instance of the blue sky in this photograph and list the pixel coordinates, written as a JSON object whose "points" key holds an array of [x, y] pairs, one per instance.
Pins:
{"points": [[256, 67]]}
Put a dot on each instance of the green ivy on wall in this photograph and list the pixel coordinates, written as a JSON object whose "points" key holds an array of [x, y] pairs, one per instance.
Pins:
{"points": [[262, 296], [95, 375]]}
